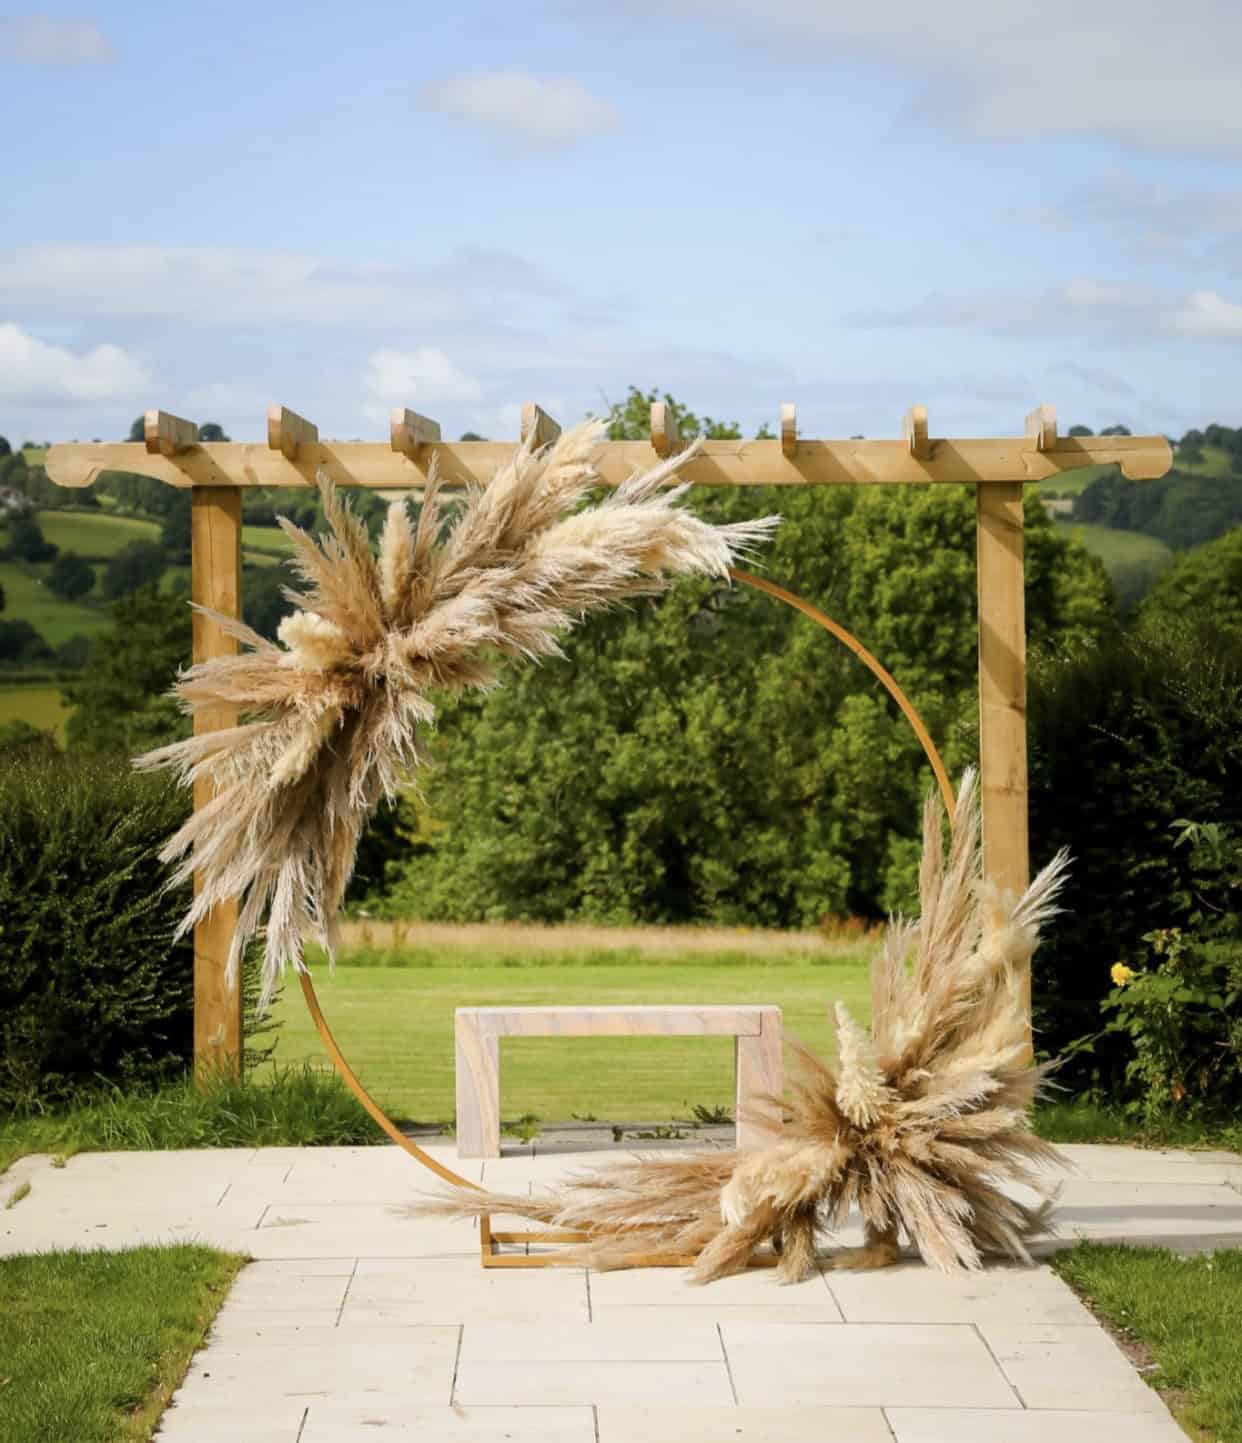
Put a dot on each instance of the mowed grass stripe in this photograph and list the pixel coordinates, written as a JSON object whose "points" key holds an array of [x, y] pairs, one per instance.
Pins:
{"points": [[394, 1023]]}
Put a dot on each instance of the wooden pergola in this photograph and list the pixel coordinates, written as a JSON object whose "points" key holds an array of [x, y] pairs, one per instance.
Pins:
{"points": [[216, 473]]}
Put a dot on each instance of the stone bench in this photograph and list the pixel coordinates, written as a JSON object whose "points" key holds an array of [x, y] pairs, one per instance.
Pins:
{"points": [[757, 1054]]}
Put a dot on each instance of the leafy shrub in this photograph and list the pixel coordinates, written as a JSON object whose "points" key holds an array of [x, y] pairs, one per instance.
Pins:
{"points": [[1182, 1015], [1128, 738], [92, 985], [20, 642]]}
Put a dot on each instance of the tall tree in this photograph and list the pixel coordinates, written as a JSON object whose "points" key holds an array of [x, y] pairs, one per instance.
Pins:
{"points": [[137, 564], [121, 699], [71, 577]]}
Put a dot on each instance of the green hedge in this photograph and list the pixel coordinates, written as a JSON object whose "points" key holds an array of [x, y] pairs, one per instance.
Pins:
{"points": [[1130, 739], [92, 986]]}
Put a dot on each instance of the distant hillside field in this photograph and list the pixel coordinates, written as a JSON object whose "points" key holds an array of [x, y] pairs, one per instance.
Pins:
{"points": [[1070, 483], [95, 536], [1216, 462], [41, 706], [29, 598], [1132, 560], [270, 539]]}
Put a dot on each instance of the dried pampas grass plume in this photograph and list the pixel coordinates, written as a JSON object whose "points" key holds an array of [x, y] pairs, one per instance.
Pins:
{"points": [[923, 1125], [332, 716]]}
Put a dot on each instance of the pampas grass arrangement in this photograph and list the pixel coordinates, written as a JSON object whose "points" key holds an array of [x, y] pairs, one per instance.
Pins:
{"points": [[922, 1124], [332, 718]]}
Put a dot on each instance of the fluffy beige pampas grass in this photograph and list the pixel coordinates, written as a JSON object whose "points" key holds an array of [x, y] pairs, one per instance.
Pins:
{"points": [[922, 1126], [331, 719]]}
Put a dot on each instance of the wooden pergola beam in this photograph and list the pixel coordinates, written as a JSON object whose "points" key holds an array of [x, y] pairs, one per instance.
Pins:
{"points": [[718, 463], [538, 428]]}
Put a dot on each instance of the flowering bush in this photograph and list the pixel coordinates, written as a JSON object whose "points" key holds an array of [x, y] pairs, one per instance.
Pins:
{"points": [[1183, 1016]]}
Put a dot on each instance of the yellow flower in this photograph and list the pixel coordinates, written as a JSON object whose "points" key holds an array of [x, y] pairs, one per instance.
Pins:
{"points": [[1121, 974]]}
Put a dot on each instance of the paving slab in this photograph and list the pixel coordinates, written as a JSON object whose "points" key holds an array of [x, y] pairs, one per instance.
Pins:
{"points": [[930, 1365], [518, 1383], [975, 1425], [743, 1425], [373, 1417], [1053, 1367], [912, 1293]]}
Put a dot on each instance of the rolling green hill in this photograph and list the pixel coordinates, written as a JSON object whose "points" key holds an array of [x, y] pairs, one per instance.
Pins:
{"points": [[93, 535], [29, 598], [1216, 462], [1132, 559]]}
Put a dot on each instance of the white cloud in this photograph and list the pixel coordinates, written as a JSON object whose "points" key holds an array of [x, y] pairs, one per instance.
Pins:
{"points": [[1205, 313], [40, 40], [1159, 76], [208, 286], [1084, 308], [420, 379], [1149, 220], [555, 111], [37, 374]]}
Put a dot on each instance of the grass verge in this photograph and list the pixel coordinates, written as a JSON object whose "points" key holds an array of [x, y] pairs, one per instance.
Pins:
{"points": [[93, 1344], [298, 1106], [1072, 1120], [1179, 1317]]}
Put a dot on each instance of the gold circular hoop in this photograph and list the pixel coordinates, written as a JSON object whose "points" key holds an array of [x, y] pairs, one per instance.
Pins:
{"points": [[350, 1078]]}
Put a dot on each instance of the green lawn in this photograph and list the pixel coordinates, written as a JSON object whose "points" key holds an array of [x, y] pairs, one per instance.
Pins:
{"points": [[42, 706], [92, 1344], [94, 535], [395, 1023], [1186, 1311]]}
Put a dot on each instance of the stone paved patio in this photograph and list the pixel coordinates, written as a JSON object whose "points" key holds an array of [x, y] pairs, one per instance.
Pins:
{"points": [[357, 1323]]}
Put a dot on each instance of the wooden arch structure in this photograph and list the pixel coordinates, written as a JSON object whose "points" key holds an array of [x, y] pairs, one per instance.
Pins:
{"points": [[215, 473]]}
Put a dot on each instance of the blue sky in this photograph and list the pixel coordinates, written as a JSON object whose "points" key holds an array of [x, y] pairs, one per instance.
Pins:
{"points": [[461, 208]]}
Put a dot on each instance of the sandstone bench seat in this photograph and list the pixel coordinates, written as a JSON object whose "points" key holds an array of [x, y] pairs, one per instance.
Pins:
{"points": [[756, 1031]]}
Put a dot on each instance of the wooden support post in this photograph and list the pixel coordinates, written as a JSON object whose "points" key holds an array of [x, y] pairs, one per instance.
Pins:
{"points": [[789, 429], [1002, 685], [538, 428], [215, 581]]}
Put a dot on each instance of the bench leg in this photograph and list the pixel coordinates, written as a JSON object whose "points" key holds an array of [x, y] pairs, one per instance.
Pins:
{"points": [[760, 1074], [478, 1088]]}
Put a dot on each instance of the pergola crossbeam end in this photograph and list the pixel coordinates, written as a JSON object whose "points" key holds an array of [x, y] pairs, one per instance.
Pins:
{"points": [[408, 432], [665, 437], [789, 428], [1041, 428], [914, 433], [538, 428], [167, 435], [286, 431]]}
